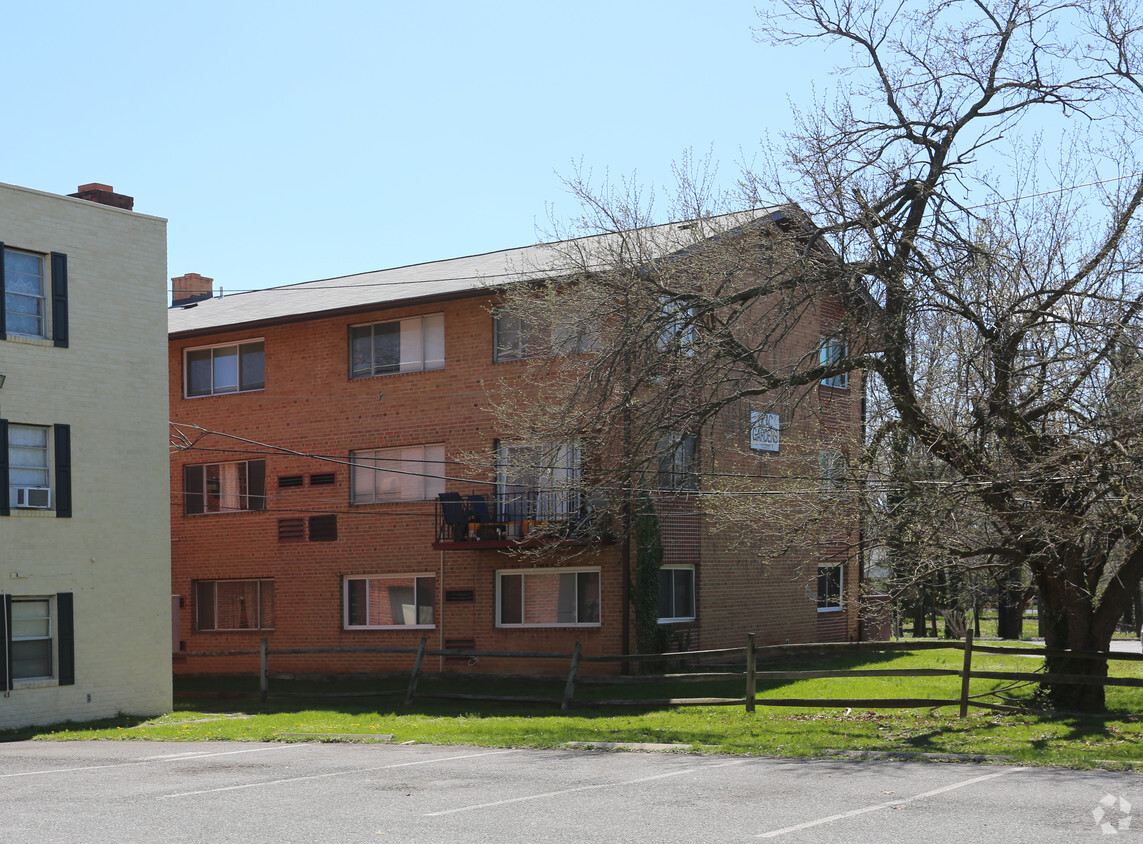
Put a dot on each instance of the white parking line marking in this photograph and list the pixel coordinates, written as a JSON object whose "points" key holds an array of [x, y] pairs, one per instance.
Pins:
{"points": [[146, 760], [775, 833], [330, 774], [576, 790]]}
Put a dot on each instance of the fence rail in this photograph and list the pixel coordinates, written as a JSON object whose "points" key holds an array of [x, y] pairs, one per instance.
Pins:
{"points": [[751, 675]]}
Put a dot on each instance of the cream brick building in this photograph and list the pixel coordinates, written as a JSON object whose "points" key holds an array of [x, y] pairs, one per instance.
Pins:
{"points": [[84, 521]]}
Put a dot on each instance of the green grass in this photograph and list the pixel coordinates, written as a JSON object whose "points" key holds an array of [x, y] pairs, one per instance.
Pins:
{"points": [[772, 731]]}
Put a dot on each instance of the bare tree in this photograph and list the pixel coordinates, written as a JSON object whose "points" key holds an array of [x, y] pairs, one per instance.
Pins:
{"points": [[985, 282]]}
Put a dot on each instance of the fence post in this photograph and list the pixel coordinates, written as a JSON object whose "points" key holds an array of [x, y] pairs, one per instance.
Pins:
{"points": [[264, 669], [569, 689], [966, 673], [416, 672], [751, 678]]}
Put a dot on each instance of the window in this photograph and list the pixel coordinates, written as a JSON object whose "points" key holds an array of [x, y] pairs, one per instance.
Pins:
{"points": [[676, 593], [24, 302], [515, 338], [831, 352], [677, 332], [510, 334], [28, 477], [234, 604], [677, 463], [37, 639], [547, 598], [234, 368], [400, 345], [829, 587], [33, 305], [410, 473], [831, 471], [764, 431], [224, 487], [537, 481], [31, 638], [384, 601], [27, 472]]}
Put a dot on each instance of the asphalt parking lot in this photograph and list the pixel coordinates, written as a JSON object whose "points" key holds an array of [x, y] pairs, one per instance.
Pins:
{"points": [[152, 792]]}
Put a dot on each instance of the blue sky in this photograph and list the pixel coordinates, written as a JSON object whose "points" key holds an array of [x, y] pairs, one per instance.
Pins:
{"points": [[293, 141]]}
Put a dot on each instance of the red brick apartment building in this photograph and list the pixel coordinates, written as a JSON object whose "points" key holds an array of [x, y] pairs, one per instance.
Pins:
{"points": [[317, 499]]}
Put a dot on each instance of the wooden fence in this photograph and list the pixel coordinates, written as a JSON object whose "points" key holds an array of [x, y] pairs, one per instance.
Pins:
{"points": [[751, 676]]}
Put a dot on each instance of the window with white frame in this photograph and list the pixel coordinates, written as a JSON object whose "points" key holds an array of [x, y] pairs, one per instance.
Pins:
{"points": [[677, 462], [37, 640], [829, 587], [676, 594], [510, 336], [25, 301], [515, 338], [229, 368], [537, 481], [234, 604], [29, 476], [399, 345], [31, 648], [37, 469], [408, 473], [764, 431], [831, 471], [548, 598], [677, 332], [224, 487], [832, 351], [384, 601]]}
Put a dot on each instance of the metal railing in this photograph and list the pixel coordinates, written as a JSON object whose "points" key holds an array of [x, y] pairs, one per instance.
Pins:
{"points": [[514, 514]]}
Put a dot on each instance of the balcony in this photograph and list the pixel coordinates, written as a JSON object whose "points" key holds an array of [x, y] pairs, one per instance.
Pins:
{"points": [[512, 518]]}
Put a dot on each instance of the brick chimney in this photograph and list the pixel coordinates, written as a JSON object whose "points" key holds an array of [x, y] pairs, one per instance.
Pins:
{"points": [[104, 195], [190, 288]]}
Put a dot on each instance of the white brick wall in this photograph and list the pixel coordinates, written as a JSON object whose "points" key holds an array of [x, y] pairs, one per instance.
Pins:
{"points": [[110, 386]]}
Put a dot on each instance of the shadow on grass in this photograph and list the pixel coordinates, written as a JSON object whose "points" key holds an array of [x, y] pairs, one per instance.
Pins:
{"points": [[29, 733]]}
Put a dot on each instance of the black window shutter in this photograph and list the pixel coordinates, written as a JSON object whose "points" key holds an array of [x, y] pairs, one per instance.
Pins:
{"points": [[3, 312], [59, 299], [63, 471], [256, 480], [5, 509], [5, 642], [65, 624], [193, 488]]}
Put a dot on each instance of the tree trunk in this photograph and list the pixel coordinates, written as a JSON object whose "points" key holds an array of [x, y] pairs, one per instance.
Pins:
{"points": [[1068, 625], [1009, 609]]}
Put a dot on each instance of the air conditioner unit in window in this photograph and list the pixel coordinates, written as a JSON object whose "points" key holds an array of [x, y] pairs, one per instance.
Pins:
{"points": [[31, 497]]}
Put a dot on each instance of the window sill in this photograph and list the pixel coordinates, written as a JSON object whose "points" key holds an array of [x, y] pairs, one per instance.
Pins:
{"points": [[391, 627], [689, 620], [829, 609], [31, 341], [367, 377], [221, 513], [35, 683], [31, 513], [223, 395], [567, 625]]}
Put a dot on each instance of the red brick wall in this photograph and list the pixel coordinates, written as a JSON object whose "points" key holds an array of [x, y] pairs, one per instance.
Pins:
{"points": [[311, 406]]}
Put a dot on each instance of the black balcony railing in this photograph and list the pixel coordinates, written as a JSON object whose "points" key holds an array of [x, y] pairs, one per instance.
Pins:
{"points": [[514, 515]]}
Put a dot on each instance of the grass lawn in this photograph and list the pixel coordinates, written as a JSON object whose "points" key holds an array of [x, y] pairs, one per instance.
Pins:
{"points": [[773, 731]]}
